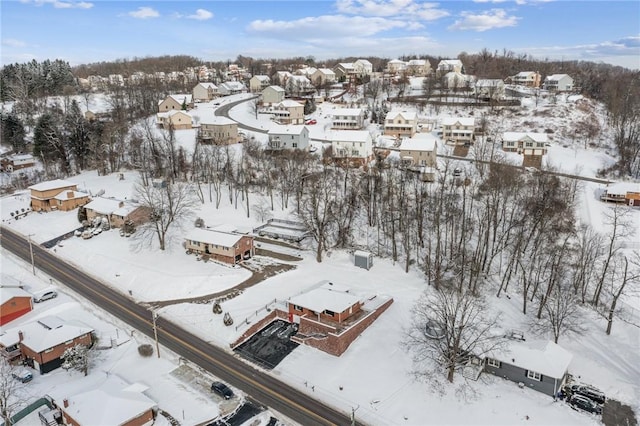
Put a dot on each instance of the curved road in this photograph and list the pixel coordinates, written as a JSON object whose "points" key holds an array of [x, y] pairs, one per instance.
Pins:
{"points": [[223, 111], [269, 391]]}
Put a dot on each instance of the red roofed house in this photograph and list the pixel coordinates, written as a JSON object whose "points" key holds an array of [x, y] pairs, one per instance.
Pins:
{"points": [[14, 302]]}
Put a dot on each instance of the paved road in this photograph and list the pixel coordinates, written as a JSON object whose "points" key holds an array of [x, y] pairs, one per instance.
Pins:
{"points": [[223, 111], [264, 388]]}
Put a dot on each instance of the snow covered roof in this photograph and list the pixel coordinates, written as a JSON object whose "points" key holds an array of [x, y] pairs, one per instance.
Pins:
{"points": [[288, 103], [489, 82], [516, 136], [225, 227], [525, 74], [420, 142], [43, 334], [275, 88], [417, 62], [464, 121], [350, 136], [544, 357], [52, 184], [325, 298], [407, 115], [182, 98], [213, 237], [449, 63], [216, 121], [208, 85], [346, 65], [346, 112], [326, 71], [556, 77], [233, 85], [286, 130], [114, 402], [8, 293], [124, 210], [103, 205], [70, 195], [172, 113], [22, 157], [621, 188], [262, 78]]}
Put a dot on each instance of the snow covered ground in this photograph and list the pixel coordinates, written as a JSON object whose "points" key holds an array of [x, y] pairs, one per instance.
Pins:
{"points": [[375, 376]]}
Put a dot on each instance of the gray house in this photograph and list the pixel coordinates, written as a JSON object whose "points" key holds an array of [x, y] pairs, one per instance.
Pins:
{"points": [[540, 365], [288, 137]]}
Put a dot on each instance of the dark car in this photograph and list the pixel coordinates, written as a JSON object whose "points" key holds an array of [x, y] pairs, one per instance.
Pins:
{"points": [[583, 403], [588, 391], [222, 390]]}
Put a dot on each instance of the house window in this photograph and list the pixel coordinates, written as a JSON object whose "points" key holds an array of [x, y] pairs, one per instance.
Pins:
{"points": [[329, 313], [295, 145], [297, 308], [493, 363], [48, 350], [534, 376], [70, 342]]}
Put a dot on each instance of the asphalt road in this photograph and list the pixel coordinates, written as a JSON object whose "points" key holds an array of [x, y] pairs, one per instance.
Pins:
{"points": [[264, 388], [223, 111]]}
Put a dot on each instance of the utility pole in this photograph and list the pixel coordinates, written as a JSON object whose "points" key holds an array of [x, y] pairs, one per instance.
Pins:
{"points": [[154, 315], [353, 415], [33, 265]]}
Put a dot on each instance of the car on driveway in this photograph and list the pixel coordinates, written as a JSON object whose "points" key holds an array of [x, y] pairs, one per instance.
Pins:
{"points": [[312, 121], [588, 391], [22, 375], [222, 390], [580, 402], [52, 294]]}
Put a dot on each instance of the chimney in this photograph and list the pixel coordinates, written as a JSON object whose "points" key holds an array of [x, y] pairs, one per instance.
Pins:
{"points": [[20, 336], [65, 402], [69, 194], [121, 204]]}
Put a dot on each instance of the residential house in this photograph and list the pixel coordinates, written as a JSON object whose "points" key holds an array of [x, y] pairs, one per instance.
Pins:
{"points": [[527, 143], [401, 123], [116, 80], [327, 303], [231, 88], [288, 137], [257, 83], [117, 212], [527, 78], [396, 66], [42, 343], [288, 112], [174, 119], [218, 131], [622, 192], [204, 92], [347, 118], [449, 65], [221, 246], [455, 80], [363, 67], [345, 71], [299, 85], [458, 130], [176, 102], [539, 365], [354, 147], [14, 302], [323, 76], [558, 83], [418, 67], [56, 195], [306, 71], [272, 95], [17, 162], [111, 402], [282, 77], [419, 150], [491, 89]]}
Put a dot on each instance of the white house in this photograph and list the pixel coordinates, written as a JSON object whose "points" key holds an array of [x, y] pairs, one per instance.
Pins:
{"points": [[492, 89], [363, 67], [458, 130], [418, 67], [299, 85], [204, 92], [527, 143], [323, 76], [288, 137], [347, 118], [396, 66], [449, 65], [456, 80], [558, 82], [259, 82], [353, 147], [231, 88]]}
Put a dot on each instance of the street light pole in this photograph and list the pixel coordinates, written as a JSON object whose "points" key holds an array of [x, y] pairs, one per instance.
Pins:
{"points": [[33, 265], [154, 315]]}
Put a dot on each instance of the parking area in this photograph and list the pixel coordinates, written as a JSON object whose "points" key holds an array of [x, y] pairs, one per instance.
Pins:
{"points": [[269, 346]]}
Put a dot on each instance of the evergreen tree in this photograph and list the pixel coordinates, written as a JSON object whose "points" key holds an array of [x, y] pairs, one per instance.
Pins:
{"points": [[13, 132], [76, 358], [77, 130]]}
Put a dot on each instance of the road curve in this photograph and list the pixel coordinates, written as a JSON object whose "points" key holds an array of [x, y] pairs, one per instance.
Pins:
{"points": [[223, 111], [263, 387]]}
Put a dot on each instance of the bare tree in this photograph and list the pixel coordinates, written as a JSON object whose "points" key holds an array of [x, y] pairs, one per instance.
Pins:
{"points": [[562, 314], [624, 281], [315, 208], [169, 205], [450, 326], [12, 391]]}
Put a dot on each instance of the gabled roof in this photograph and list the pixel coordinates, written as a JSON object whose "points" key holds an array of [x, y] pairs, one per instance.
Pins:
{"points": [[544, 357], [464, 121], [46, 333], [262, 78], [516, 136], [325, 298], [449, 63], [103, 205], [621, 188], [417, 62], [274, 88], [8, 293], [208, 85], [326, 71], [350, 136], [288, 103], [233, 85], [52, 184], [420, 142], [287, 130], [556, 77], [525, 74], [407, 115], [216, 121], [489, 82], [70, 195], [346, 112], [346, 65], [182, 98], [172, 113], [216, 238]]}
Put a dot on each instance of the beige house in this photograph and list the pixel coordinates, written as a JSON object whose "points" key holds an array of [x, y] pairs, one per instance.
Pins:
{"points": [[396, 66], [272, 95], [323, 76], [449, 65], [288, 112], [458, 130], [401, 123], [231, 88], [353, 147], [527, 143], [418, 67], [419, 150], [175, 102], [259, 82], [527, 78], [218, 131], [56, 195], [117, 212], [347, 118], [221, 246], [344, 70], [203, 92], [176, 119]]}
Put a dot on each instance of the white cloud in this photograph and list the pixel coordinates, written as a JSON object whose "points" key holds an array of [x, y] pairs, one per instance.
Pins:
{"points": [[144, 13], [495, 18], [60, 4], [201, 15], [328, 26], [408, 9], [12, 42]]}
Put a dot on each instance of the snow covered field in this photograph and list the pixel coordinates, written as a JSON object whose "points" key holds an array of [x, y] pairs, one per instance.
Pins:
{"points": [[375, 376]]}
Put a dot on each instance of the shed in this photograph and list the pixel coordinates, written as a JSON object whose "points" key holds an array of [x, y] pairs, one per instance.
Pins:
{"points": [[363, 259]]}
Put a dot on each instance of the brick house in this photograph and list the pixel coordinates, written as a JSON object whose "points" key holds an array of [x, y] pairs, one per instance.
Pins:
{"points": [[42, 343], [328, 302], [221, 246], [14, 302], [56, 195], [17, 162], [116, 211]]}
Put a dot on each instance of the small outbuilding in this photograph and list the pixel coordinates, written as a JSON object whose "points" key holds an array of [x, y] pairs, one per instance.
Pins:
{"points": [[363, 259]]}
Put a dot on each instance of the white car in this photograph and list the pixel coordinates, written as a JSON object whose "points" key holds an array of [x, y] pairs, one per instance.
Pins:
{"points": [[51, 294]]}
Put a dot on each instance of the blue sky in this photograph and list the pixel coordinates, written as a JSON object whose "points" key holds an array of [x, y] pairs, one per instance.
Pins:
{"points": [[84, 31]]}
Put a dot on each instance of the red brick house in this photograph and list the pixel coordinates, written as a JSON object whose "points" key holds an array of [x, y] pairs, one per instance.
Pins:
{"points": [[327, 302], [42, 343], [221, 246], [14, 302]]}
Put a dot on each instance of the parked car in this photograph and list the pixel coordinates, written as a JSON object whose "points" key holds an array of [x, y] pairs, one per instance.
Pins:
{"points": [[588, 391], [457, 172], [22, 375], [583, 403], [52, 294], [312, 121], [222, 390]]}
